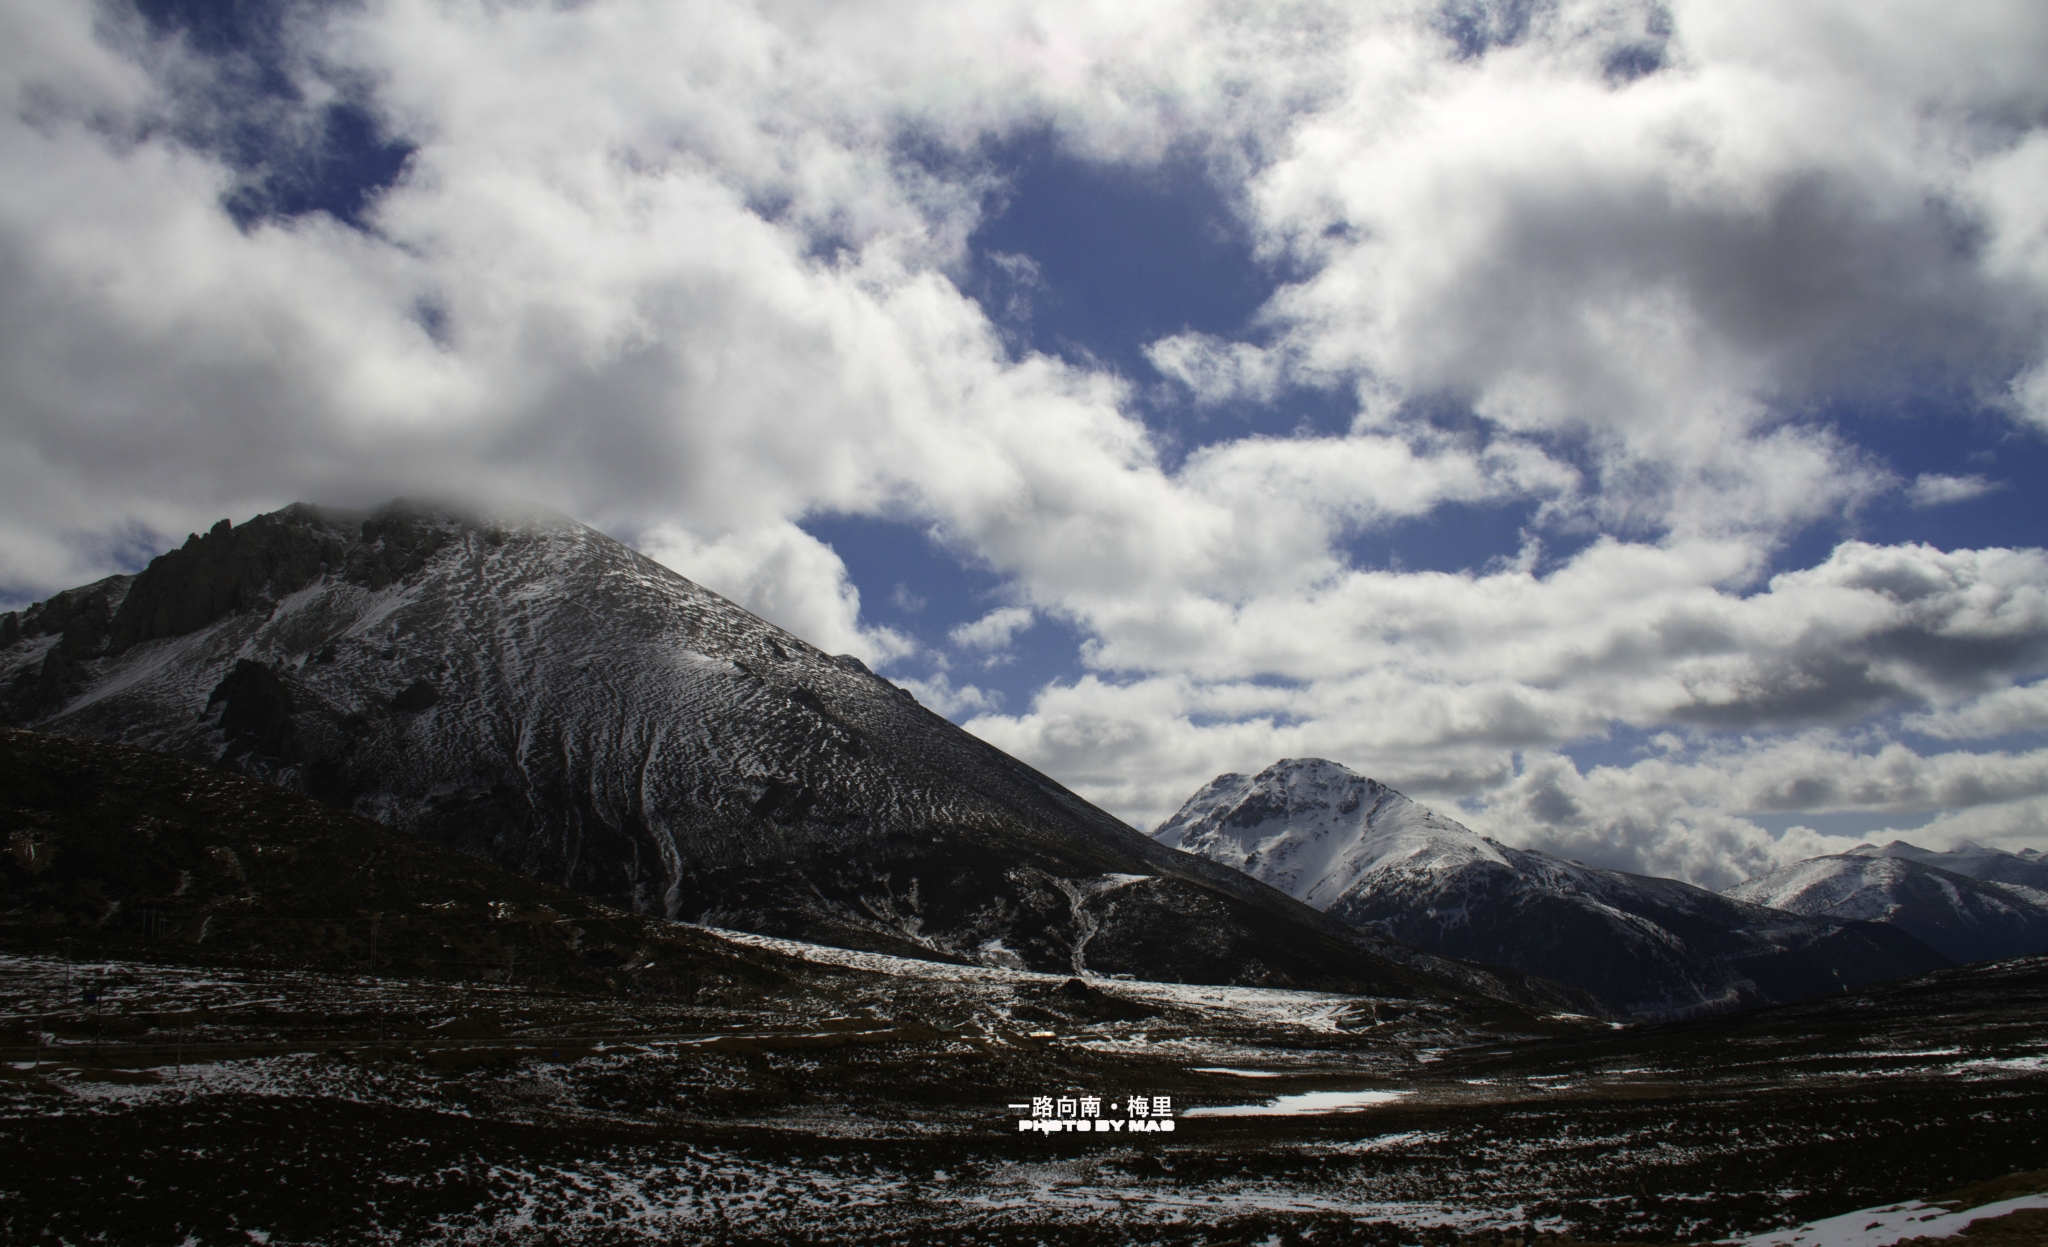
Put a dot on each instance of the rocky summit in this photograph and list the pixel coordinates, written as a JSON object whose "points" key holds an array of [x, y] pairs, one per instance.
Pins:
{"points": [[1363, 853], [527, 690]]}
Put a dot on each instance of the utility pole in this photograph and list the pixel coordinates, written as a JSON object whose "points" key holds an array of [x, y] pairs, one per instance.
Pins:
{"points": [[373, 973]]}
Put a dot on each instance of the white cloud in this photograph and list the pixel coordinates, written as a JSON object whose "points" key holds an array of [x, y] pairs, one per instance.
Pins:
{"points": [[674, 270], [1216, 370], [2030, 395], [1651, 267], [1932, 489], [939, 693], [1691, 817], [787, 577], [2000, 713], [1435, 682], [904, 600], [994, 631], [1689, 811], [629, 333]]}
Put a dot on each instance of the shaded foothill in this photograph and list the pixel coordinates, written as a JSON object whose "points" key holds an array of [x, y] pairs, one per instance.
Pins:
{"points": [[114, 850]]}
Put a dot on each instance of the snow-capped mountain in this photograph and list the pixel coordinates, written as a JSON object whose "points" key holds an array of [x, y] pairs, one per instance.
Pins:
{"points": [[1365, 854], [1965, 918], [528, 690], [2026, 867]]}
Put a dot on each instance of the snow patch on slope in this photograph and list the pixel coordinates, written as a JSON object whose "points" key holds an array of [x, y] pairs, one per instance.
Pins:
{"points": [[1891, 1223]]}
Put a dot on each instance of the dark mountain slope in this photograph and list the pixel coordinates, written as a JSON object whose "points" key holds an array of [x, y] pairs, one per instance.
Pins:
{"points": [[116, 851], [527, 690]]}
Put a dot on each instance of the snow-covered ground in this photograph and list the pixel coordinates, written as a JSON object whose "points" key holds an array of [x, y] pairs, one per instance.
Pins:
{"points": [[1891, 1223], [1287, 1119], [1307, 1103]]}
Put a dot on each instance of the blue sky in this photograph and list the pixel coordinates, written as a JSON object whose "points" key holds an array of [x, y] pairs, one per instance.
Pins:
{"points": [[1120, 258], [1616, 421]]}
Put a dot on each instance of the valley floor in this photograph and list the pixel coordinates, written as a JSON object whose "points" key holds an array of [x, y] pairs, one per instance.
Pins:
{"points": [[197, 1104]]}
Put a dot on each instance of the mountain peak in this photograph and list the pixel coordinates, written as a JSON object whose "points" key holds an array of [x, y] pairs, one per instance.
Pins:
{"points": [[1370, 857], [1311, 827], [519, 686], [1966, 858], [1958, 913]]}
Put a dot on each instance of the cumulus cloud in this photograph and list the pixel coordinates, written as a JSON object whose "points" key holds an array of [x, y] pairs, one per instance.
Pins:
{"points": [[904, 600], [1692, 816], [2001, 713], [1435, 683], [1933, 489], [1216, 370], [994, 631], [689, 273], [941, 694], [1654, 262], [787, 577]]}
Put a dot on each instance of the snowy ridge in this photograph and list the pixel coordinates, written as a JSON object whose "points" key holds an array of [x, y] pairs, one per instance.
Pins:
{"points": [[1968, 919], [1314, 829], [1367, 855], [2026, 867]]}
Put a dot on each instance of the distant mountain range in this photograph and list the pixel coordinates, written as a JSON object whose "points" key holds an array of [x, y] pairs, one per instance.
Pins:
{"points": [[529, 691], [525, 689], [1368, 856], [2028, 867], [1970, 903]]}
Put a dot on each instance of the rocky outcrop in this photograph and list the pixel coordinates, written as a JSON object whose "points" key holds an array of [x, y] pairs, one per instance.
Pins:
{"points": [[42, 649]]}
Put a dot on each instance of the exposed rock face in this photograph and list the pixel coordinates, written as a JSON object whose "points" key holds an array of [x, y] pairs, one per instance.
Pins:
{"points": [[256, 713], [1365, 854], [1965, 918], [532, 692], [42, 647], [226, 572]]}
